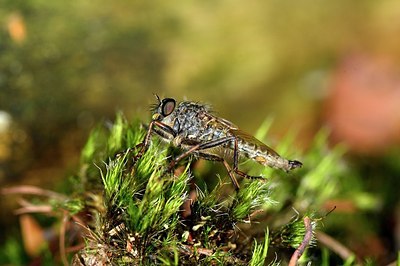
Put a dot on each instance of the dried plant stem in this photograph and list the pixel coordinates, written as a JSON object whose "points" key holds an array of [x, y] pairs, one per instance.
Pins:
{"points": [[334, 245], [306, 241], [32, 190], [62, 238]]}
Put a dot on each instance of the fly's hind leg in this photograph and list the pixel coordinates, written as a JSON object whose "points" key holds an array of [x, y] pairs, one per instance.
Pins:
{"points": [[216, 158], [197, 148], [236, 163]]}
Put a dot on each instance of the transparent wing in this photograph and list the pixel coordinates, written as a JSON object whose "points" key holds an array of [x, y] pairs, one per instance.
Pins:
{"points": [[241, 135], [221, 121], [252, 140]]}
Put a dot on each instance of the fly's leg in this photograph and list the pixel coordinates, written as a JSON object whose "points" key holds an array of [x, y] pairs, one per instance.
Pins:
{"points": [[236, 163], [216, 158], [138, 151], [215, 143], [199, 147], [144, 145], [141, 148]]}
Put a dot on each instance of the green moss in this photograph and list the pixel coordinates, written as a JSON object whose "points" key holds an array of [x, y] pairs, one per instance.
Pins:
{"points": [[143, 205], [142, 213]]}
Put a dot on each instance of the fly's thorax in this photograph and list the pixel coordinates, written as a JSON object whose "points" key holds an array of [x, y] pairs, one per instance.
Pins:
{"points": [[190, 120]]}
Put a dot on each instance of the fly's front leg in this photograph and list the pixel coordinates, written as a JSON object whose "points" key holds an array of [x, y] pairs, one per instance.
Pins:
{"points": [[145, 143], [142, 145], [157, 126]]}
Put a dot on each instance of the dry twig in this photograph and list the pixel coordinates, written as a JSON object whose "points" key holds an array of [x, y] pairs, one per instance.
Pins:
{"points": [[306, 241], [335, 246]]}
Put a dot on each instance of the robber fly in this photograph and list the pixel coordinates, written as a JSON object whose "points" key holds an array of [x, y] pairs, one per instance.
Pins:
{"points": [[193, 128]]}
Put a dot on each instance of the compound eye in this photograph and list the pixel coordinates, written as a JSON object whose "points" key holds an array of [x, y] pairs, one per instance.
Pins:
{"points": [[168, 106]]}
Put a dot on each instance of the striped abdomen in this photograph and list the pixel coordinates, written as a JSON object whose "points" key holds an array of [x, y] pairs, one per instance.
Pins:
{"points": [[254, 149]]}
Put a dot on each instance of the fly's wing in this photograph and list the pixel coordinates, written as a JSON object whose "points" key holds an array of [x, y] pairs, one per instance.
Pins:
{"points": [[234, 130], [249, 139], [210, 123], [221, 122]]}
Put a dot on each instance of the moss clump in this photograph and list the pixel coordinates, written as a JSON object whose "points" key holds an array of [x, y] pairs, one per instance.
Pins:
{"points": [[141, 216]]}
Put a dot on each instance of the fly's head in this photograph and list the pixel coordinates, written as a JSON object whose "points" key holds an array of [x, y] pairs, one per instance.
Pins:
{"points": [[165, 111]]}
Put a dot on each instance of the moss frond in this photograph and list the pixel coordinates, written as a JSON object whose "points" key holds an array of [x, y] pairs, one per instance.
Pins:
{"points": [[292, 234], [144, 206], [144, 213], [253, 196], [260, 252]]}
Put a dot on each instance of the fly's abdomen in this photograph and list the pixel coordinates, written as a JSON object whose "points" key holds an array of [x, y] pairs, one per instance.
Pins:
{"points": [[264, 155]]}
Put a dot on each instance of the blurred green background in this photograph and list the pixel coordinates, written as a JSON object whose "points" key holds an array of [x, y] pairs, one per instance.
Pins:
{"points": [[65, 66]]}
